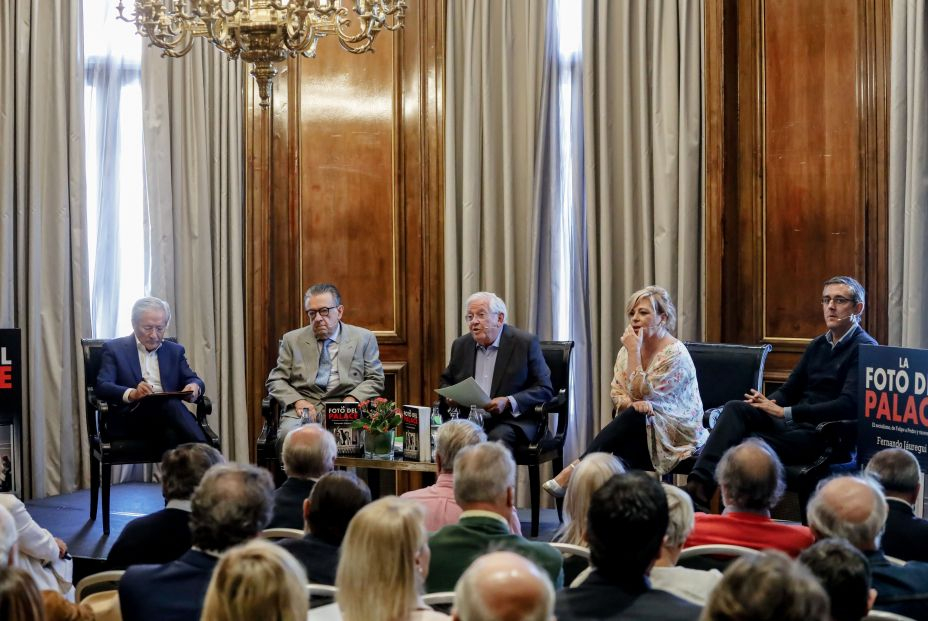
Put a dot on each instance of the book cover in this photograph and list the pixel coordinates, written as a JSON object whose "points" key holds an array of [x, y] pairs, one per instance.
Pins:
{"points": [[339, 415], [417, 434]]}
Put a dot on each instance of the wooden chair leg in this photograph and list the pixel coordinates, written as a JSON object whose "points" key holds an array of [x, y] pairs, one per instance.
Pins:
{"points": [[107, 473], [535, 490], [94, 486]]}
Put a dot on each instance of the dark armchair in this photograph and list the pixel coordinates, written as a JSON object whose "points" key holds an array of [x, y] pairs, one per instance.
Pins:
{"points": [[549, 447], [107, 448]]}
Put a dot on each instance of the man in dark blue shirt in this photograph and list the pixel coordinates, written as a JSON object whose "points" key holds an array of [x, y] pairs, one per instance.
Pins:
{"points": [[822, 387]]}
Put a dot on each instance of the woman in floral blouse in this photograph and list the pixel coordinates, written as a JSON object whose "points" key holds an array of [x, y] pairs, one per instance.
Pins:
{"points": [[659, 412]]}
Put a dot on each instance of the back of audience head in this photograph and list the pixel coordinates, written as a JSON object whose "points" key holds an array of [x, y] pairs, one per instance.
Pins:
{"points": [[751, 476], [20, 599], [232, 504], [256, 580], [680, 522], [503, 586], [57, 608], [384, 561], [332, 503], [8, 536], [452, 437], [183, 467], [626, 525], [851, 508], [484, 475], [844, 572], [767, 587], [309, 452], [898, 472], [588, 476]]}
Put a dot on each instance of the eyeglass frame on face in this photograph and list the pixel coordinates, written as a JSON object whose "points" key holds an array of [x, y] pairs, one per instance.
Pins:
{"points": [[322, 312], [150, 329], [482, 316], [839, 300]]}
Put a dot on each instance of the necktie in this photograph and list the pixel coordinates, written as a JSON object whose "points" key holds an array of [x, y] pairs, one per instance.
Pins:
{"points": [[325, 366]]}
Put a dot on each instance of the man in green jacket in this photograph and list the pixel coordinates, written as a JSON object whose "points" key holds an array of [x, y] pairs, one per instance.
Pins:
{"points": [[484, 487]]}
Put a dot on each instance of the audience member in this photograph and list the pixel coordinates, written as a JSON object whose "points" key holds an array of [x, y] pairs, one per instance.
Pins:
{"points": [[328, 360], [142, 363], [905, 535], [844, 573], [308, 453], [256, 580], [767, 587], [658, 410], [853, 508], [57, 608], [232, 504], [438, 500], [19, 597], [334, 501], [752, 481], [385, 559], [484, 487], [514, 390], [8, 551], [39, 553], [164, 535], [822, 387], [627, 522], [503, 586], [693, 585]]}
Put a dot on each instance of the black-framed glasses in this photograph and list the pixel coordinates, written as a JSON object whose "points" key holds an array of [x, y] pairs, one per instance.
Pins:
{"points": [[839, 300], [322, 312]]}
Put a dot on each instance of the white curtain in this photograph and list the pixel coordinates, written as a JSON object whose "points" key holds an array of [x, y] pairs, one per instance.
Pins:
{"points": [[643, 151], [194, 203], [908, 175], [42, 249]]}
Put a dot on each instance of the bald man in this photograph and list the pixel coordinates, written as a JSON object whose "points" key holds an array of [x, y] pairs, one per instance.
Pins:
{"points": [[308, 453], [503, 586], [853, 508], [752, 481]]}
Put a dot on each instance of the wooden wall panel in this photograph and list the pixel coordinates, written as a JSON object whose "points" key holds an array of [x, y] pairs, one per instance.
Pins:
{"points": [[796, 163], [344, 186]]}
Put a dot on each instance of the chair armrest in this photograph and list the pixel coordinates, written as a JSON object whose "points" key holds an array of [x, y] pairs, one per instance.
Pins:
{"points": [[204, 408], [838, 434], [557, 404], [270, 412]]}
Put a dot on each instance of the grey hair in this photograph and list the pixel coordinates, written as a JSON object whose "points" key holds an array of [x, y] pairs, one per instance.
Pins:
{"points": [[232, 504], [827, 521], [588, 476], [470, 602], [896, 469], [308, 460], [452, 437], [858, 294], [680, 513], [660, 302], [8, 534], [150, 304], [483, 473], [746, 488], [321, 289], [495, 303]]}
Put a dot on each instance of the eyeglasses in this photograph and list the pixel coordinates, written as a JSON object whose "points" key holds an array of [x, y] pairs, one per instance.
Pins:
{"points": [[322, 312], [469, 317], [838, 300], [150, 329]]}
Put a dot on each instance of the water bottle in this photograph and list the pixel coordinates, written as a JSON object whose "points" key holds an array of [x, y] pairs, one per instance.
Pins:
{"points": [[475, 416]]}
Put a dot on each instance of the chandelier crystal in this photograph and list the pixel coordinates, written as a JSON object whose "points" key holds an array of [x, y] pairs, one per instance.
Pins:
{"points": [[263, 32]]}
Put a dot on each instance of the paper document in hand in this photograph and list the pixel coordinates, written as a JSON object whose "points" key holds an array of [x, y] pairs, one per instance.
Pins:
{"points": [[466, 393]]}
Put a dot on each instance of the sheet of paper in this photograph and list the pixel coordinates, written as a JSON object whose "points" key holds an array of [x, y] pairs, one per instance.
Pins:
{"points": [[466, 393]]}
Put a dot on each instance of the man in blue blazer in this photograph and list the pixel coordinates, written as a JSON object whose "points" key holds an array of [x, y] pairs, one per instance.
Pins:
{"points": [[136, 366], [506, 363]]}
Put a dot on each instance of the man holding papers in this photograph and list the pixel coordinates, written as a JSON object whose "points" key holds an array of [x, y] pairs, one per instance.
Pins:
{"points": [[508, 366], [136, 368]]}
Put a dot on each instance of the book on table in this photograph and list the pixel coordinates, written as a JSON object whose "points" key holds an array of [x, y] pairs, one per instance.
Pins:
{"points": [[417, 433], [339, 418]]}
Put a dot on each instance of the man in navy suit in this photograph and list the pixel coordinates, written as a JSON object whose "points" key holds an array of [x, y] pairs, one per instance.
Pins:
{"points": [[906, 534], [232, 504], [506, 363], [136, 366]]}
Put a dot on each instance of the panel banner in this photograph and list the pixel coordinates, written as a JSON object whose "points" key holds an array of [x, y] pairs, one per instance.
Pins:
{"points": [[11, 396]]}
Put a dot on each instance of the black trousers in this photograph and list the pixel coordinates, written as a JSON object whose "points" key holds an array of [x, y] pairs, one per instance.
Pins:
{"points": [[626, 437], [795, 443], [168, 421]]}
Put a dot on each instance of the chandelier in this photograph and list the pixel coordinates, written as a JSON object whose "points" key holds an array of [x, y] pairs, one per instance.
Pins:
{"points": [[263, 32]]}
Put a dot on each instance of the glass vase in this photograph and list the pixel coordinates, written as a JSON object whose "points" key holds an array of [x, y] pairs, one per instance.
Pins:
{"points": [[379, 445]]}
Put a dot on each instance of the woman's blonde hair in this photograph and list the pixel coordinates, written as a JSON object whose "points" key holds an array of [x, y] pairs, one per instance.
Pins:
{"points": [[660, 302], [680, 513], [588, 476], [377, 578], [257, 580]]}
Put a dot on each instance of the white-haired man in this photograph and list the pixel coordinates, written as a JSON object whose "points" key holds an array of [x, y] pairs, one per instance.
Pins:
{"points": [[906, 535], [503, 586], [506, 363], [309, 453]]}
